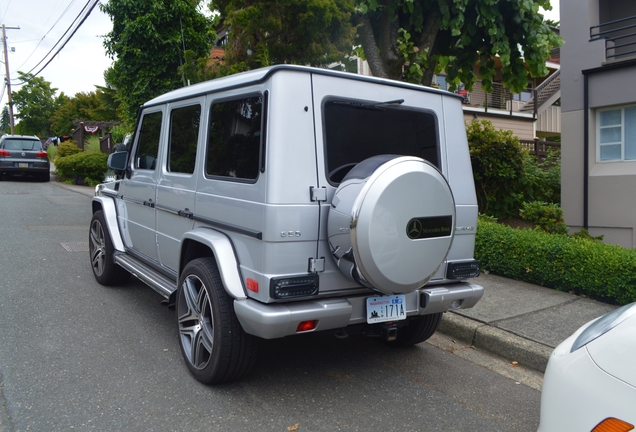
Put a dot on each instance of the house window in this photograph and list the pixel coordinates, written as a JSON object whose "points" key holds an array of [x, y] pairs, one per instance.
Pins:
{"points": [[440, 80], [617, 134]]}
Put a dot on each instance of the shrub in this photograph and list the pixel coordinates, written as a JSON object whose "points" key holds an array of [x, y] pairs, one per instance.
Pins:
{"points": [[598, 270], [497, 161], [91, 143], [118, 133], [546, 217], [87, 167], [585, 234], [540, 181], [67, 148], [52, 152]]}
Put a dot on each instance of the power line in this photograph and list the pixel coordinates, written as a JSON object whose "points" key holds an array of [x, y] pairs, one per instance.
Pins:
{"points": [[47, 33], [67, 30], [86, 14]]}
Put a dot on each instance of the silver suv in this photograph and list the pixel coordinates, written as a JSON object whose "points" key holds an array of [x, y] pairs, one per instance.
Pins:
{"points": [[291, 200]]}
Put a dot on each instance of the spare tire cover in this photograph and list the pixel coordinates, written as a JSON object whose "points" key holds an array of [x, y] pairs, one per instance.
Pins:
{"points": [[391, 223]]}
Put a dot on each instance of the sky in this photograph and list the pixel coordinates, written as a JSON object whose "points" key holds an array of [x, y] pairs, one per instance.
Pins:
{"points": [[80, 65]]}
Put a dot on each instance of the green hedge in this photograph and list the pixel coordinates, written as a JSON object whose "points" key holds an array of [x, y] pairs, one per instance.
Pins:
{"points": [[87, 167], [597, 270]]}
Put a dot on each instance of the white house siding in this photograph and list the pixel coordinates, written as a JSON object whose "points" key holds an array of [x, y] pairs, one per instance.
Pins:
{"points": [[521, 126]]}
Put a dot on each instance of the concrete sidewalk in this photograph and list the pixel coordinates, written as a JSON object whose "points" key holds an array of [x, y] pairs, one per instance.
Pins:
{"points": [[514, 320], [520, 321]]}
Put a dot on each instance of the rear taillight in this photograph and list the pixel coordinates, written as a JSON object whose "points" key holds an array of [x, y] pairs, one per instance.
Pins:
{"points": [[4, 153], [43, 155]]}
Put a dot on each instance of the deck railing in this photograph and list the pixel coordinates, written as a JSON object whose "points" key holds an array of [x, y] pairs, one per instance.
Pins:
{"points": [[619, 36], [500, 98]]}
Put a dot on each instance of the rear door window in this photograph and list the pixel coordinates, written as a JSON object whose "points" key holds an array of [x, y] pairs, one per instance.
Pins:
{"points": [[357, 130], [184, 135], [234, 138]]}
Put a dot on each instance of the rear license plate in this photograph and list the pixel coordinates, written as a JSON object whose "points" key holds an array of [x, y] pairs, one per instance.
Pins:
{"points": [[387, 308], [23, 165]]}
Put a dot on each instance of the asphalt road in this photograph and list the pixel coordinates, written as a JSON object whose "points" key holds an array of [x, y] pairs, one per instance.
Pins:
{"points": [[75, 355]]}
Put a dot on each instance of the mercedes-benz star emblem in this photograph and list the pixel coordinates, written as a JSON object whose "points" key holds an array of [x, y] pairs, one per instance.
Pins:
{"points": [[414, 229]]}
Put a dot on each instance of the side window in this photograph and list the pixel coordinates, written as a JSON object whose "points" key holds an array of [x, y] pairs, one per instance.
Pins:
{"points": [[234, 138], [148, 148], [184, 135]]}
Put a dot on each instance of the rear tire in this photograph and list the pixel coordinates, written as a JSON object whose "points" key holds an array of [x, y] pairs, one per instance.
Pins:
{"points": [[418, 330], [214, 346], [101, 250]]}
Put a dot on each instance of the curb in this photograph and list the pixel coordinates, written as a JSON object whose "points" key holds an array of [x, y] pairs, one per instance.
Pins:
{"points": [[496, 341]]}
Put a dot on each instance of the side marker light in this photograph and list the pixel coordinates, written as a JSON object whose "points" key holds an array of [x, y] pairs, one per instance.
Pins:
{"points": [[612, 424]]}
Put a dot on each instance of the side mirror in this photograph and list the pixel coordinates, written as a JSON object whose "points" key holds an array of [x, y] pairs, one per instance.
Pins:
{"points": [[118, 161]]}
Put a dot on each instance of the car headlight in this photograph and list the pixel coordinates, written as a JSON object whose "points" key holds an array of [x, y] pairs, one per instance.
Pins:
{"points": [[603, 325]]}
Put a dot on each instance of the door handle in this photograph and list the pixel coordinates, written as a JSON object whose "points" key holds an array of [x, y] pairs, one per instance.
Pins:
{"points": [[186, 213]]}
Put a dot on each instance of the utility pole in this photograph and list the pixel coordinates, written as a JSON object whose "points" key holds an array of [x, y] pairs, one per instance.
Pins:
{"points": [[6, 65]]}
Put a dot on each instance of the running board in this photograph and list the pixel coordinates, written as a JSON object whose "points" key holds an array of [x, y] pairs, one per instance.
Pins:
{"points": [[155, 280]]}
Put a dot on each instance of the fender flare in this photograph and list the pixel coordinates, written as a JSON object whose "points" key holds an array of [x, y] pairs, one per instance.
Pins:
{"points": [[107, 205], [225, 256]]}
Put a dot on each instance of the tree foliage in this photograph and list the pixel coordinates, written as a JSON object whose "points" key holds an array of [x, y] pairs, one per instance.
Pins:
{"points": [[497, 161], [35, 103], [407, 40], [410, 40], [5, 120], [83, 106], [147, 44], [307, 32], [506, 175]]}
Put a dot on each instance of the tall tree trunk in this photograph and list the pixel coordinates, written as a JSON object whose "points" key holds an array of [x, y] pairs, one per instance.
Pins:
{"points": [[428, 43], [370, 47]]}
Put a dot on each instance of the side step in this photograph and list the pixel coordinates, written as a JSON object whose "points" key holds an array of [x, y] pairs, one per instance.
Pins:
{"points": [[155, 280]]}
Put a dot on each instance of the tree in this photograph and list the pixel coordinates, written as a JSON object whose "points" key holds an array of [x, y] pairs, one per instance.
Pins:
{"points": [[36, 102], [83, 106], [307, 32], [5, 121], [147, 44], [408, 40], [411, 40]]}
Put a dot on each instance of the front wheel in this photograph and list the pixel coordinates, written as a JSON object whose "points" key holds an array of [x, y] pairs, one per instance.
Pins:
{"points": [[101, 250], [418, 330], [214, 346]]}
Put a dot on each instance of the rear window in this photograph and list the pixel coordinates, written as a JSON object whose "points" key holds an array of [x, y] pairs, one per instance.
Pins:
{"points": [[357, 130], [21, 144]]}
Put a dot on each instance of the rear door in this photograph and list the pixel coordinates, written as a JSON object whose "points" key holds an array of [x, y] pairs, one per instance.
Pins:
{"points": [[356, 119], [177, 183]]}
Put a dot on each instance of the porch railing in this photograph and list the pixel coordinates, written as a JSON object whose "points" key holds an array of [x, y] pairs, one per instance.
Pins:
{"points": [[619, 36], [500, 98]]}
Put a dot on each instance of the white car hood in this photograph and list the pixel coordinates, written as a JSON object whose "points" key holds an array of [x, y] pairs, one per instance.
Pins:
{"points": [[615, 351]]}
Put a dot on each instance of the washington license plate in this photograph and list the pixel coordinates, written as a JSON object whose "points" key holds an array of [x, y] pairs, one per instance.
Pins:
{"points": [[386, 308]]}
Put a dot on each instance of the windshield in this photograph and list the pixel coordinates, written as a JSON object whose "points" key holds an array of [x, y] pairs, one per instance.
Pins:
{"points": [[356, 130], [21, 144]]}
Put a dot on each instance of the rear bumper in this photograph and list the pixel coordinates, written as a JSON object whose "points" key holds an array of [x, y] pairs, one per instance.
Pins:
{"points": [[34, 167], [271, 321]]}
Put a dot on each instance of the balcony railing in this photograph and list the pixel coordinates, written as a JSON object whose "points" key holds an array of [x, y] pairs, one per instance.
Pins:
{"points": [[619, 36], [500, 99]]}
